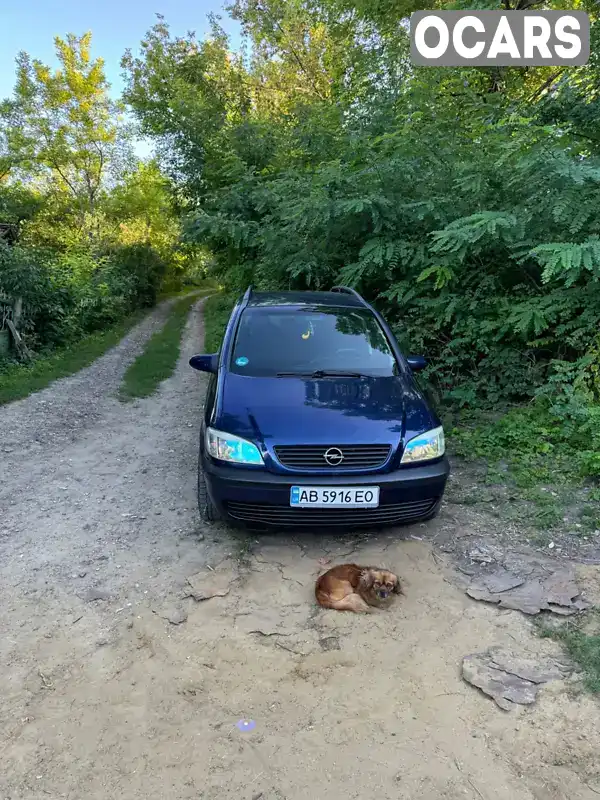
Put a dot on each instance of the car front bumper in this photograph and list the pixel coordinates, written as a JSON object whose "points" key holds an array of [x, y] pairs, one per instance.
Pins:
{"points": [[258, 498]]}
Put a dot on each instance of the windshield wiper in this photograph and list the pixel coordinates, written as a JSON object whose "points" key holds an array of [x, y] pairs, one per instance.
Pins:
{"points": [[322, 373]]}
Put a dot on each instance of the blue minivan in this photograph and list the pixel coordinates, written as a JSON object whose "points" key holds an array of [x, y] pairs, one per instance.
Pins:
{"points": [[313, 418]]}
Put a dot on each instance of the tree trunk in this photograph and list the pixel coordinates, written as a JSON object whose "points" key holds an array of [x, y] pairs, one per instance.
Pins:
{"points": [[17, 311]]}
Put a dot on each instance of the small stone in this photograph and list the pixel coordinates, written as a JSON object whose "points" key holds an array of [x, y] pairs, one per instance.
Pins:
{"points": [[481, 556], [330, 643], [201, 537], [176, 615], [96, 594]]}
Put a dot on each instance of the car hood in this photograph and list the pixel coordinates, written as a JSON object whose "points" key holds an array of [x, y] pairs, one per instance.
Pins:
{"points": [[323, 411]]}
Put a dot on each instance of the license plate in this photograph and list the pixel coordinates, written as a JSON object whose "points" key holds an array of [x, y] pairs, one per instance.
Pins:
{"points": [[338, 497]]}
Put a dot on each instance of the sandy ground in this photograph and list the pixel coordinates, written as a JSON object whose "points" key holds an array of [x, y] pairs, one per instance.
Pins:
{"points": [[117, 684]]}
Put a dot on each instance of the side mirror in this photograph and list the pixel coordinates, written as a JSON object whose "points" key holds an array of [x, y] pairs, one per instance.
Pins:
{"points": [[205, 363], [417, 363]]}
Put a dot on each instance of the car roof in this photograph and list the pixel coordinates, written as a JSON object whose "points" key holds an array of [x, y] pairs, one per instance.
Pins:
{"points": [[329, 299]]}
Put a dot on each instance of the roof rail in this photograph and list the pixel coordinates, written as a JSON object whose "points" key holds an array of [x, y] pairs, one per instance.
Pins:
{"points": [[348, 290], [246, 296]]}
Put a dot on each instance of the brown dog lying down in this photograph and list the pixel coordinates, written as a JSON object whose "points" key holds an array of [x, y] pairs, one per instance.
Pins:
{"points": [[349, 587]]}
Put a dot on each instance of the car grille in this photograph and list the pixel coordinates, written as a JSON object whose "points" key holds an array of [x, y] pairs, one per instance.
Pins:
{"points": [[354, 456], [285, 516]]}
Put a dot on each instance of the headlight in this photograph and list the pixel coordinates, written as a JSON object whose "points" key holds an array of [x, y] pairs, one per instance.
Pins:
{"points": [[425, 447], [227, 447]]}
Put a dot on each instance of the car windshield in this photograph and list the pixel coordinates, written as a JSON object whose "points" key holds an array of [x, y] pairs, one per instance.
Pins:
{"points": [[283, 342]]}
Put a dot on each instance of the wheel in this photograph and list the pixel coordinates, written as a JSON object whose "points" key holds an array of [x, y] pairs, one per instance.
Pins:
{"points": [[208, 511]]}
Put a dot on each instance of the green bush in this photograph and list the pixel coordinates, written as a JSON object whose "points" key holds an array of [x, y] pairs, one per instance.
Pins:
{"points": [[541, 442], [217, 310], [72, 294], [142, 271]]}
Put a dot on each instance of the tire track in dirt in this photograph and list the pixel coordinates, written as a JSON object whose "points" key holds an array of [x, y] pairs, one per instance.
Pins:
{"points": [[61, 413]]}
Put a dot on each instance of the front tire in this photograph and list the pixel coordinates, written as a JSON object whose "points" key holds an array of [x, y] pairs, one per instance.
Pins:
{"points": [[208, 511]]}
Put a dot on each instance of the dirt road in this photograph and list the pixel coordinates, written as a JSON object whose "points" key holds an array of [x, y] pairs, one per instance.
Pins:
{"points": [[117, 684]]}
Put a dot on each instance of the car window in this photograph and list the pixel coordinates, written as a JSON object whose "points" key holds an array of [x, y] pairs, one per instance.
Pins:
{"points": [[272, 341]]}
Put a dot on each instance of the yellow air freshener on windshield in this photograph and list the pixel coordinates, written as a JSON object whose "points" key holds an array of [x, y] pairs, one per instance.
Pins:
{"points": [[308, 333]]}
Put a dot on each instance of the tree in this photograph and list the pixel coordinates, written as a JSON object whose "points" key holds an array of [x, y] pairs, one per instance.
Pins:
{"points": [[142, 208], [461, 201], [190, 96], [60, 128]]}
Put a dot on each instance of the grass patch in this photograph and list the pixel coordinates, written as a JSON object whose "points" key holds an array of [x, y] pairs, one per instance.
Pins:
{"points": [[158, 361], [547, 460], [580, 638], [217, 311], [20, 380], [536, 443]]}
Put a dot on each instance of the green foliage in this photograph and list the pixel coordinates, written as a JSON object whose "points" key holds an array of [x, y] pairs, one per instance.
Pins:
{"points": [[217, 310], [18, 203], [569, 259], [99, 236], [461, 202], [140, 270], [61, 126], [68, 295], [539, 442]]}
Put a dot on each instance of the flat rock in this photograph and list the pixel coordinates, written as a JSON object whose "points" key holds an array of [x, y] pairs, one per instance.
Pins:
{"points": [[209, 583], [502, 580], [561, 589], [530, 593], [507, 678]]}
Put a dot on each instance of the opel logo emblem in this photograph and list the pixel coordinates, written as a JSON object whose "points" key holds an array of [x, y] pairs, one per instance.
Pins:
{"points": [[333, 456]]}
